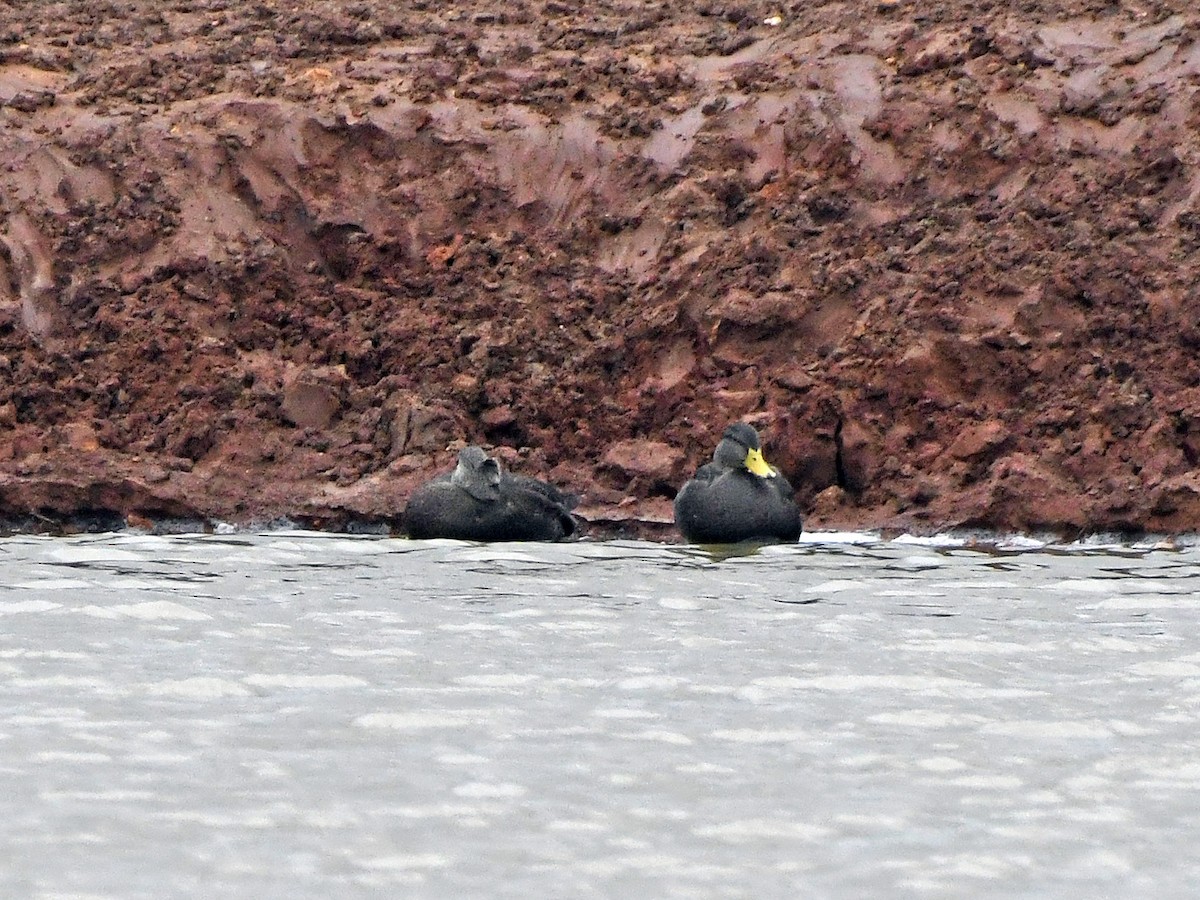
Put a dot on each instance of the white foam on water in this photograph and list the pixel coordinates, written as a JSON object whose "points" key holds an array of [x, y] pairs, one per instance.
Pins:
{"points": [[12, 607], [1050, 730], [651, 682], [645, 862], [1096, 814], [927, 718], [372, 652], [761, 735], [53, 584], [528, 612], [1175, 601], [379, 880], [503, 680], [661, 736], [135, 584], [76, 553], [624, 713], [575, 626], [1084, 585], [149, 611], [90, 682], [872, 822], [1131, 729], [405, 862], [658, 814], [941, 764], [839, 537], [835, 586], [680, 603], [109, 796], [329, 820], [577, 826], [261, 557], [594, 613], [305, 681], [494, 553], [291, 549], [26, 653], [1166, 669], [1188, 773], [462, 759], [198, 688], [69, 756], [979, 692], [490, 790], [455, 811], [410, 545], [1021, 542], [782, 550], [984, 646], [421, 720], [705, 768], [222, 821], [1102, 862], [1110, 642], [980, 585], [153, 544], [762, 688], [919, 589], [982, 866], [947, 541], [161, 759], [744, 831], [920, 563]]}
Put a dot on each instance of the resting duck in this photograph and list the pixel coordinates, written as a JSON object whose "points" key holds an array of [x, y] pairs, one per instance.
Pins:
{"points": [[479, 502], [737, 496]]}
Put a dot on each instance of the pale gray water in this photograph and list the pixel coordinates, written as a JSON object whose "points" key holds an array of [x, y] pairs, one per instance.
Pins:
{"points": [[296, 715]]}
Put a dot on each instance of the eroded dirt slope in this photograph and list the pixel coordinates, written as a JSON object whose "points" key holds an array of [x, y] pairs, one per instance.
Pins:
{"points": [[273, 259]]}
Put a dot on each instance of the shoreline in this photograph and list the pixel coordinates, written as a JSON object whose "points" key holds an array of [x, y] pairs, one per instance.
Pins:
{"points": [[653, 532]]}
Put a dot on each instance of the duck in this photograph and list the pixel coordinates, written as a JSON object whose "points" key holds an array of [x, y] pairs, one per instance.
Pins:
{"points": [[478, 501], [738, 496]]}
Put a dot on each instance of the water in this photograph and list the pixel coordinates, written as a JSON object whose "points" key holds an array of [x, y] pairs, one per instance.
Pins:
{"points": [[297, 715]]}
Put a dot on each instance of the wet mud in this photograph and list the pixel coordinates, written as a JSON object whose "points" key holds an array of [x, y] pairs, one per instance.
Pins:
{"points": [[263, 260]]}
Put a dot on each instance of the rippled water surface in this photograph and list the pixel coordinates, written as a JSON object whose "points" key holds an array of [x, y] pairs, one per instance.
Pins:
{"points": [[297, 715]]}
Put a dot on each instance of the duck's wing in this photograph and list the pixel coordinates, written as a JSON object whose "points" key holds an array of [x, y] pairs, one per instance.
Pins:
{"points": [[539, 508], [549, 491], [709, 472], [782, 486]]}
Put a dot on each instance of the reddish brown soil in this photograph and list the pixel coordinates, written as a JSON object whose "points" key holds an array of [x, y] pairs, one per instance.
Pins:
{"points": [[279, 259]]}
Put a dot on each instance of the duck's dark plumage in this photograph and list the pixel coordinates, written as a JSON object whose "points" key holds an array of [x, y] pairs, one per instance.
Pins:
{"points": [[479, 502], [738, 496]]}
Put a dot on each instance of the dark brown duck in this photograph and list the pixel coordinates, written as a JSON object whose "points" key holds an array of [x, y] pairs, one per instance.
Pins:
{"points": [[738, 496], [479, 502]]}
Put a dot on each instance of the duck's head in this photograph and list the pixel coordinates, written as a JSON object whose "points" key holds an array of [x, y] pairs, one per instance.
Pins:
{"points": [[739, 449], [477, 474]]}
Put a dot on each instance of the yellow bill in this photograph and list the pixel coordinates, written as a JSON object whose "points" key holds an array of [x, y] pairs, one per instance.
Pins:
{"points": [[756, 464]]}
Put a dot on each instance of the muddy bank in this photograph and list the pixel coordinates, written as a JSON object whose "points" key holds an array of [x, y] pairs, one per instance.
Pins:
{"points": [[279, 260]]}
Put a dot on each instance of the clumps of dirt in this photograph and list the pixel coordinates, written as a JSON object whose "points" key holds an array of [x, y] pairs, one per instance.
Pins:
{"points": [[265, 260]]}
